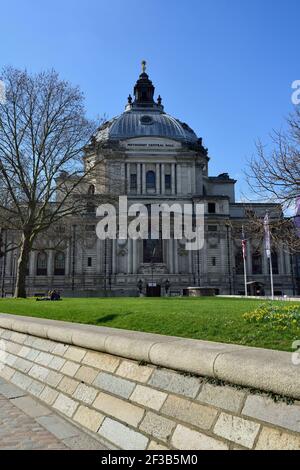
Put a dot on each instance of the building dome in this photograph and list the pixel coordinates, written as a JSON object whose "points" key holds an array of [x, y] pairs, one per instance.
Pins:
{"points": [[145, 123], [144, 118]]}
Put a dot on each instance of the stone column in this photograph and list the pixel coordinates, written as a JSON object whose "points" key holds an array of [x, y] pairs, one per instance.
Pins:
{"points": [[194, 178], [8, 267], [98, 256], [175, 253], [114, 256], [50, 258], [287, 262], [173, 181], [144, 178], [163, 179], [67, 254], [157, 178], [138, 177], [128, 177], [32, 260], [129, 256], [190, 262], [134, 255], [179, 187], [123, 179], [190, 189], [171, 264], [281, 266]]}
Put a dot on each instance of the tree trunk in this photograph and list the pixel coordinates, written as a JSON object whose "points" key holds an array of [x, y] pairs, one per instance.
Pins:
{"points": [[20, 288]]}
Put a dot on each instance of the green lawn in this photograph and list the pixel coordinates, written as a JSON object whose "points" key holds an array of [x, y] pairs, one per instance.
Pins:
{"points": [[209, 318]]}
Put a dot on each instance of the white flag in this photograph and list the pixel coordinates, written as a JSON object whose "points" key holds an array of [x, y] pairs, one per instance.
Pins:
{"points": [[267, 235]]}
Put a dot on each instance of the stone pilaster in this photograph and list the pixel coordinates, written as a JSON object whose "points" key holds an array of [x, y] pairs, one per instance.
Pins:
{"points": [[157, 179], [163, 179], [173, 180]]}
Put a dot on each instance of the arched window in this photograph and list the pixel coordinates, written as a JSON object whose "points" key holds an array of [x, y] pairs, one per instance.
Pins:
{"points": [[91, 189], [59, 264], [256, 263], [150, 180], [41, 264]]}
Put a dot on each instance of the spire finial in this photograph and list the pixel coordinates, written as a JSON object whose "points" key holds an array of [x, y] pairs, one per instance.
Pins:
{"points": [[144, 64]]}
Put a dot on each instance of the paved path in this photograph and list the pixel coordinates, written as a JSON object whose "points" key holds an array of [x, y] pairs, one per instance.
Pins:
{"points": [[27, 424]]}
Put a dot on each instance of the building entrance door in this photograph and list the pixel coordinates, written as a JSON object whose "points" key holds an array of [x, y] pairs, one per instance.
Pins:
{"points": [[256, 289], [153, 290]]}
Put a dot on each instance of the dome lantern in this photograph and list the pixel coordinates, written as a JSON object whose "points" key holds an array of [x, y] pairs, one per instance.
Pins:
{"points": [[144, 89], [144, 117]]}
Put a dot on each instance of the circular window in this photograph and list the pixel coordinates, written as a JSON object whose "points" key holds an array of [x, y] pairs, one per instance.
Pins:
{"points": [[146, 120]]}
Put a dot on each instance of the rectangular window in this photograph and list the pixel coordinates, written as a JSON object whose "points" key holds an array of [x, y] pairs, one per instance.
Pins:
{"points": [[167, 181], [214, 261], [212, 228], [89, 262], [152, 251], [133, 181], [211, 207]]}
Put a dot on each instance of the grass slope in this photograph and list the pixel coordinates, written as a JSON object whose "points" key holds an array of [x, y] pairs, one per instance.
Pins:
{"points": [[214, 319]]}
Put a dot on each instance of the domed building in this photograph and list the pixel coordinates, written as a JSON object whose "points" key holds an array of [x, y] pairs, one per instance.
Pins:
{"points": [[154, 158]]}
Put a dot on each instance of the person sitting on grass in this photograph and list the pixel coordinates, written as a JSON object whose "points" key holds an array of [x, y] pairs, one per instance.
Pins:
{"points": [[52, 295]]}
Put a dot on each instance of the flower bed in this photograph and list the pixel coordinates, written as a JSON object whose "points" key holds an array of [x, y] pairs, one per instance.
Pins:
{"points": [[276, 316]]}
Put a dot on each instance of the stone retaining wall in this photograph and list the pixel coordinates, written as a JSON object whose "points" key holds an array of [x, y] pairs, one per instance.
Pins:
{"points": [[136, 405]]}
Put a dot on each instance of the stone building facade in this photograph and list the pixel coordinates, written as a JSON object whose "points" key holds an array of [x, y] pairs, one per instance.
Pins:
{"points": [[152, 157]]}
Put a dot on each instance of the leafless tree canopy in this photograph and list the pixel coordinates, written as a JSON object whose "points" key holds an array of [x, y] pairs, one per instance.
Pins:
{"points": [[275, 175], [43, 129], [282, 230]]}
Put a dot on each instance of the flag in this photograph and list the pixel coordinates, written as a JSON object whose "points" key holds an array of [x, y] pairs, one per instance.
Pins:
{"points": [[267, 235], [244, 244]]}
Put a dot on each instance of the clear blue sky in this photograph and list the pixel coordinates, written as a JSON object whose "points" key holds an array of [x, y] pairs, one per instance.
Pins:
{"points": [[223, 66]]}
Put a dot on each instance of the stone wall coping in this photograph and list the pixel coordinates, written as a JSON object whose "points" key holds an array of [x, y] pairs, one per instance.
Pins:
{"points": [[262, 369]]}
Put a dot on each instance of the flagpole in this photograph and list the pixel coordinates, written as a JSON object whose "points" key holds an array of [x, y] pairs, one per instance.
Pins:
{"points": [[271, 276], [245, 277], [244, 260], [269, 250]]}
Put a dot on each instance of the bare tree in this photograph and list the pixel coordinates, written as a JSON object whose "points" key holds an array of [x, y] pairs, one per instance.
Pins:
{"points": [[275, 175], [43, 129], [282, 229]]}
